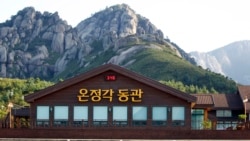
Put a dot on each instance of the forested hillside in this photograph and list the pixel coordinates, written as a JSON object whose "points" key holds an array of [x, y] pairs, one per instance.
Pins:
{"points": [[13, 90]]}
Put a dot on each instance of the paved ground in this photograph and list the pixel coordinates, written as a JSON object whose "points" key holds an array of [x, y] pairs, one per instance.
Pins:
{"points": [[26, 139]]}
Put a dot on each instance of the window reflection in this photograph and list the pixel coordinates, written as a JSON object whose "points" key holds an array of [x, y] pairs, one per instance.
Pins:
{"points": [[139, 115], [159, 116], [100, 115], [120, 115]]}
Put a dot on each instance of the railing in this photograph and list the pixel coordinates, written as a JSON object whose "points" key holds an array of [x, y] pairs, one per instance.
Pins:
{"points": [[20, 123], [195, 125], [221, 125], [104, 123]]}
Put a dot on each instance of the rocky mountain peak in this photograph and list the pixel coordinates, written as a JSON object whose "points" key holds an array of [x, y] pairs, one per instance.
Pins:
{"points": [[28, 38], [35, 44], [116, 22]]}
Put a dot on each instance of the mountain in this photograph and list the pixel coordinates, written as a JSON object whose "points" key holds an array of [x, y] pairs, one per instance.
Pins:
{"points": [[230, 60], [34, 44]]}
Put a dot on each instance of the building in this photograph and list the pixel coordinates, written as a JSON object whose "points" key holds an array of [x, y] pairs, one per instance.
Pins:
{"points": [[112, 96], [221, 109]]}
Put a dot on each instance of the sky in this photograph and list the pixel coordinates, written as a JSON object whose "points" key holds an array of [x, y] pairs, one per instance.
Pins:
{"points": [[194, 25]]}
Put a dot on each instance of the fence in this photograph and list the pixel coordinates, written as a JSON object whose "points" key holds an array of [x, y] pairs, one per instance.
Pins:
{"points": [[196, 125], [123, 132]]}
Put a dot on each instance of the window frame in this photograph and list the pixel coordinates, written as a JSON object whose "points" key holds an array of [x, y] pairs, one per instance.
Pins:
{"points": [[224, 113], [97, 121], [178, 121], [159, 122], [142, 121], [58, 121], [44, 122], [197, 118], [83, 121], [120, 122]]}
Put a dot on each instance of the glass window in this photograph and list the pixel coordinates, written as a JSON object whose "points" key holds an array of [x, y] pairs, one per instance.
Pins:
{"points": [[80, 115], [100, 115], [197, 111], [159, 115], [61, 114], [219, 125], [178, 116], [219, 113], [223, 125], [223, 113], [227, 113], [42, 113], [197, 118], [139, 115], [120, 115], [42, 116]]}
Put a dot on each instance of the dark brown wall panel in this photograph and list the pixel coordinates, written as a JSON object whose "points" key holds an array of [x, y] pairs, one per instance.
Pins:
{"points": [[150, 96]]}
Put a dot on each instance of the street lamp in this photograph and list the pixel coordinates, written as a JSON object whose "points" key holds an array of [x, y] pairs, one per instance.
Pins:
{"points": [[10, 105], [245, 101]]}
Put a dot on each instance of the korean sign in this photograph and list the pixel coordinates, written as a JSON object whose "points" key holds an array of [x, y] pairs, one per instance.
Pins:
{"points": [[123, 95]]}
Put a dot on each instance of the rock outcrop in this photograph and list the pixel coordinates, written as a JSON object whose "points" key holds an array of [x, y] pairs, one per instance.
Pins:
{"points": [[34, 44]]}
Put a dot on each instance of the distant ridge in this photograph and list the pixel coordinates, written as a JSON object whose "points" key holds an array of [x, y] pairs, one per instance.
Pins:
{"points": [[230, 60]]}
